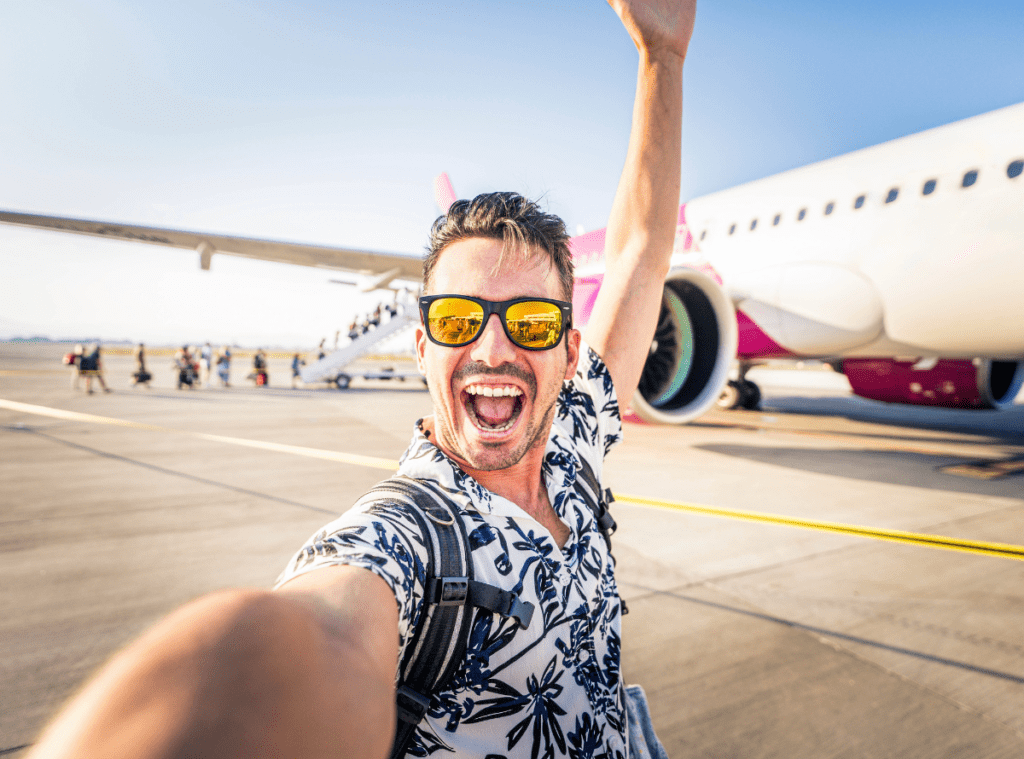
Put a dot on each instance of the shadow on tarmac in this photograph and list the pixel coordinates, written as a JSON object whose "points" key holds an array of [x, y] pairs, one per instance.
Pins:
{"points": [[896, 467], [836, 634], [164, 470], [1006, 425]]}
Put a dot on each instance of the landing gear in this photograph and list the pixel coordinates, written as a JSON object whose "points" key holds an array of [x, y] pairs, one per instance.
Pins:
{"points": [[740, 393], [342, 381]]}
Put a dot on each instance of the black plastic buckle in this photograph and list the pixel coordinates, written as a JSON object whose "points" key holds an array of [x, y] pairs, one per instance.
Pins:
{"points": [[608, 497], [520, 611], [448, 591], [606, 523], [410, 706]]}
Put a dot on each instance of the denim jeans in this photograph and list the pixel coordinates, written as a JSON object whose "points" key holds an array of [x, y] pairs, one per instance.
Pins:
{"points": [[643, 743]]}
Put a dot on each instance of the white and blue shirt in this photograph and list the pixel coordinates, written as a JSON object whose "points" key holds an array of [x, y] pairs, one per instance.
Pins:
{"points": [[552, 689]]}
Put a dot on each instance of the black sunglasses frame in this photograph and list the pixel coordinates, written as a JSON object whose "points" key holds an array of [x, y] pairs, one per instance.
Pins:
{"points": [[501, 309]]}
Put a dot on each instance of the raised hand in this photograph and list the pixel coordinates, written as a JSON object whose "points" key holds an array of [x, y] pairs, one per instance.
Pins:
{"points": [[658, 25]]}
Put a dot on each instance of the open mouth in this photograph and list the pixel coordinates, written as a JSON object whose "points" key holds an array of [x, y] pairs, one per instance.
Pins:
{"points": [[493, 408]]}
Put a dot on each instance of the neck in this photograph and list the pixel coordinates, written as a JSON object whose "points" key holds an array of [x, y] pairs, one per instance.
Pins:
{"points": [[521, 483]]}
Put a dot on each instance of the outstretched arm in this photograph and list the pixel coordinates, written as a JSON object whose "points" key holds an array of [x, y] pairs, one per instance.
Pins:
{"points": [[307, 671], [641, 228]]}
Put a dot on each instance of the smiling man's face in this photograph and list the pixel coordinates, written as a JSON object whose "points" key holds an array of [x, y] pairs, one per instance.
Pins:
{"points": [[494, 401]]}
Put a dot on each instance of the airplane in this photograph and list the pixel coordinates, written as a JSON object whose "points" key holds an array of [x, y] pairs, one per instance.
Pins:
{"points": [[901, 264]]}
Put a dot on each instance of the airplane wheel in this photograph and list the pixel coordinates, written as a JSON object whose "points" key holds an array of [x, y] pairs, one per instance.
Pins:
{"points": [[751, 396], [342, 381], [731, 397]]}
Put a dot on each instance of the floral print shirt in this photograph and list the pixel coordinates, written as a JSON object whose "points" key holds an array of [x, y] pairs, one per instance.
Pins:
{"points": [[552, 689]]}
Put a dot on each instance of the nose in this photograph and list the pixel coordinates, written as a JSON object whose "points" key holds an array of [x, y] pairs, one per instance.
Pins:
{"points": [[493, 347]]}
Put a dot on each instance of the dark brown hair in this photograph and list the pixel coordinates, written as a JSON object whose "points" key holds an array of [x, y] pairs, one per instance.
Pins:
{"points": [[507, 216]]}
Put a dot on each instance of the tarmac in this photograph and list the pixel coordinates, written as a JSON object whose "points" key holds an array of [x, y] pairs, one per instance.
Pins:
{"points": [[766, 638]]}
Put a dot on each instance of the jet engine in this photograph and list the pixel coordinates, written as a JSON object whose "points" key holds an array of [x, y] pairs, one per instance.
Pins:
{"points": [[693, 348], [949, 383]]}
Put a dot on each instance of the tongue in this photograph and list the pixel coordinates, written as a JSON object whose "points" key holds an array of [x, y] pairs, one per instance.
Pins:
{"points": [[494, 411]]}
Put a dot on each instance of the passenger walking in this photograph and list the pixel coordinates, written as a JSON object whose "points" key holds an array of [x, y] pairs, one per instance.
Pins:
{"points": [[297, 361], [259, 368], [224, 366], [90, 366], [141, 376], [205, 364], [185, 367]]}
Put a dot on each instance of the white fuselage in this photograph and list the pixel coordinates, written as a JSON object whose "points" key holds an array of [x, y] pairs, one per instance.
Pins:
{"points": [[937, 274]]}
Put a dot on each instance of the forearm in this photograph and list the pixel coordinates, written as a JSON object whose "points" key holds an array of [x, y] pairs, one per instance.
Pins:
{"points": [[642, 225], [239, 674]]}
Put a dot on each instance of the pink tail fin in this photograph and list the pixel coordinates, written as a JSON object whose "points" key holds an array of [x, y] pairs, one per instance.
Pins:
{"points": [[444, 193]]}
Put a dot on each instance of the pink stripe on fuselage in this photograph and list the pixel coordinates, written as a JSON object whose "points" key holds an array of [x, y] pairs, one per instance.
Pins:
{"points": [[754, 343]]}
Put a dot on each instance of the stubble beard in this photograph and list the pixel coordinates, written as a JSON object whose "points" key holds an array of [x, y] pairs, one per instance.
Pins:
{"points": [[535, 435]]}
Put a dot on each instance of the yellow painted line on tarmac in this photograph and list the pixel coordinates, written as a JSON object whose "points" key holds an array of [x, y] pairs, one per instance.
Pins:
{"points": [[1003, 550], [297, 450]]}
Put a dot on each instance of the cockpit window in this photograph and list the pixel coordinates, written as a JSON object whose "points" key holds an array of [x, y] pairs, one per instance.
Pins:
{"points": [[753, 225], [800, 216], [1014, 169], [929, 187], [830, 208], [970, 178], [778, 218], [893, 194], [859, 202], [732, 229]]}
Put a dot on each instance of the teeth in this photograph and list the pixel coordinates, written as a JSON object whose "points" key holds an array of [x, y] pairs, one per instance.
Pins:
{"points": [[490, 391]]}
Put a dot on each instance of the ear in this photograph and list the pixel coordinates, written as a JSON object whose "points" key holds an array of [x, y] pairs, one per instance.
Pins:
{"points": [[572, 344], [421, 348]]}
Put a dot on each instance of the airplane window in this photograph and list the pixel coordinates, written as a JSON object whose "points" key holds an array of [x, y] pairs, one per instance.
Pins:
{"points": [[800, 216], [970, 177], [893, 193], [830, 208], [1014, 169], [778, 217], [859, 201], [732, 229], [929, 187], [753, 225], [703, 235]]}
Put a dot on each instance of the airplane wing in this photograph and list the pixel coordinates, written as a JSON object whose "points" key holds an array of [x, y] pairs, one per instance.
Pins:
{"points": [[367, 262]]}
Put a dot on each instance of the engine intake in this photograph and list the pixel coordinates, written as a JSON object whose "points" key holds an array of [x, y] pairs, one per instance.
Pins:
{"points": [[693, 348]]}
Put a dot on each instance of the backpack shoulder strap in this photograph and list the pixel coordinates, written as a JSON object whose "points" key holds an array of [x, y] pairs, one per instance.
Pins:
{"points": [[438, 643], [597, 498]]}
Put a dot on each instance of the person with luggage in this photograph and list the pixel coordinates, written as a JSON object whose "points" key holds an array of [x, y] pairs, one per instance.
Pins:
{"points": [[91, 367], [185, 367], [330, 662], [141, 376], [259, 368]]}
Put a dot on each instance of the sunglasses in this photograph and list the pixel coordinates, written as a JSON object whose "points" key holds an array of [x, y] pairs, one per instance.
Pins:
{"points": [[535, 324]]}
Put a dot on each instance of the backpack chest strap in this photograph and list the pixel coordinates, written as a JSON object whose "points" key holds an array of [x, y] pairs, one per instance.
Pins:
{"points": [[460, 591]]}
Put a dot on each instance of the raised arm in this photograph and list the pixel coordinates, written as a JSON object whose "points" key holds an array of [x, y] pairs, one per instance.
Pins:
{"points": [[307, 671], [641, 228]]}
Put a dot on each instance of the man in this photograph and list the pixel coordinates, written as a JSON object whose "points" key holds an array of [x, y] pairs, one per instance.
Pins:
{"points": [[309, 669]]}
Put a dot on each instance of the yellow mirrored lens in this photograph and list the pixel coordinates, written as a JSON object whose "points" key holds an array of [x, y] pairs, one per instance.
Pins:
{"points": [[453, 321], [534, 324]]}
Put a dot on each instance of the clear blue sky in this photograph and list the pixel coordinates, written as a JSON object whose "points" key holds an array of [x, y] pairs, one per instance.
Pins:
{"points": [[326, 122]]}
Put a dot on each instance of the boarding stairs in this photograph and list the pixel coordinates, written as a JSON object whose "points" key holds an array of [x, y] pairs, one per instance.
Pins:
{"points": [[331, 368]]}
